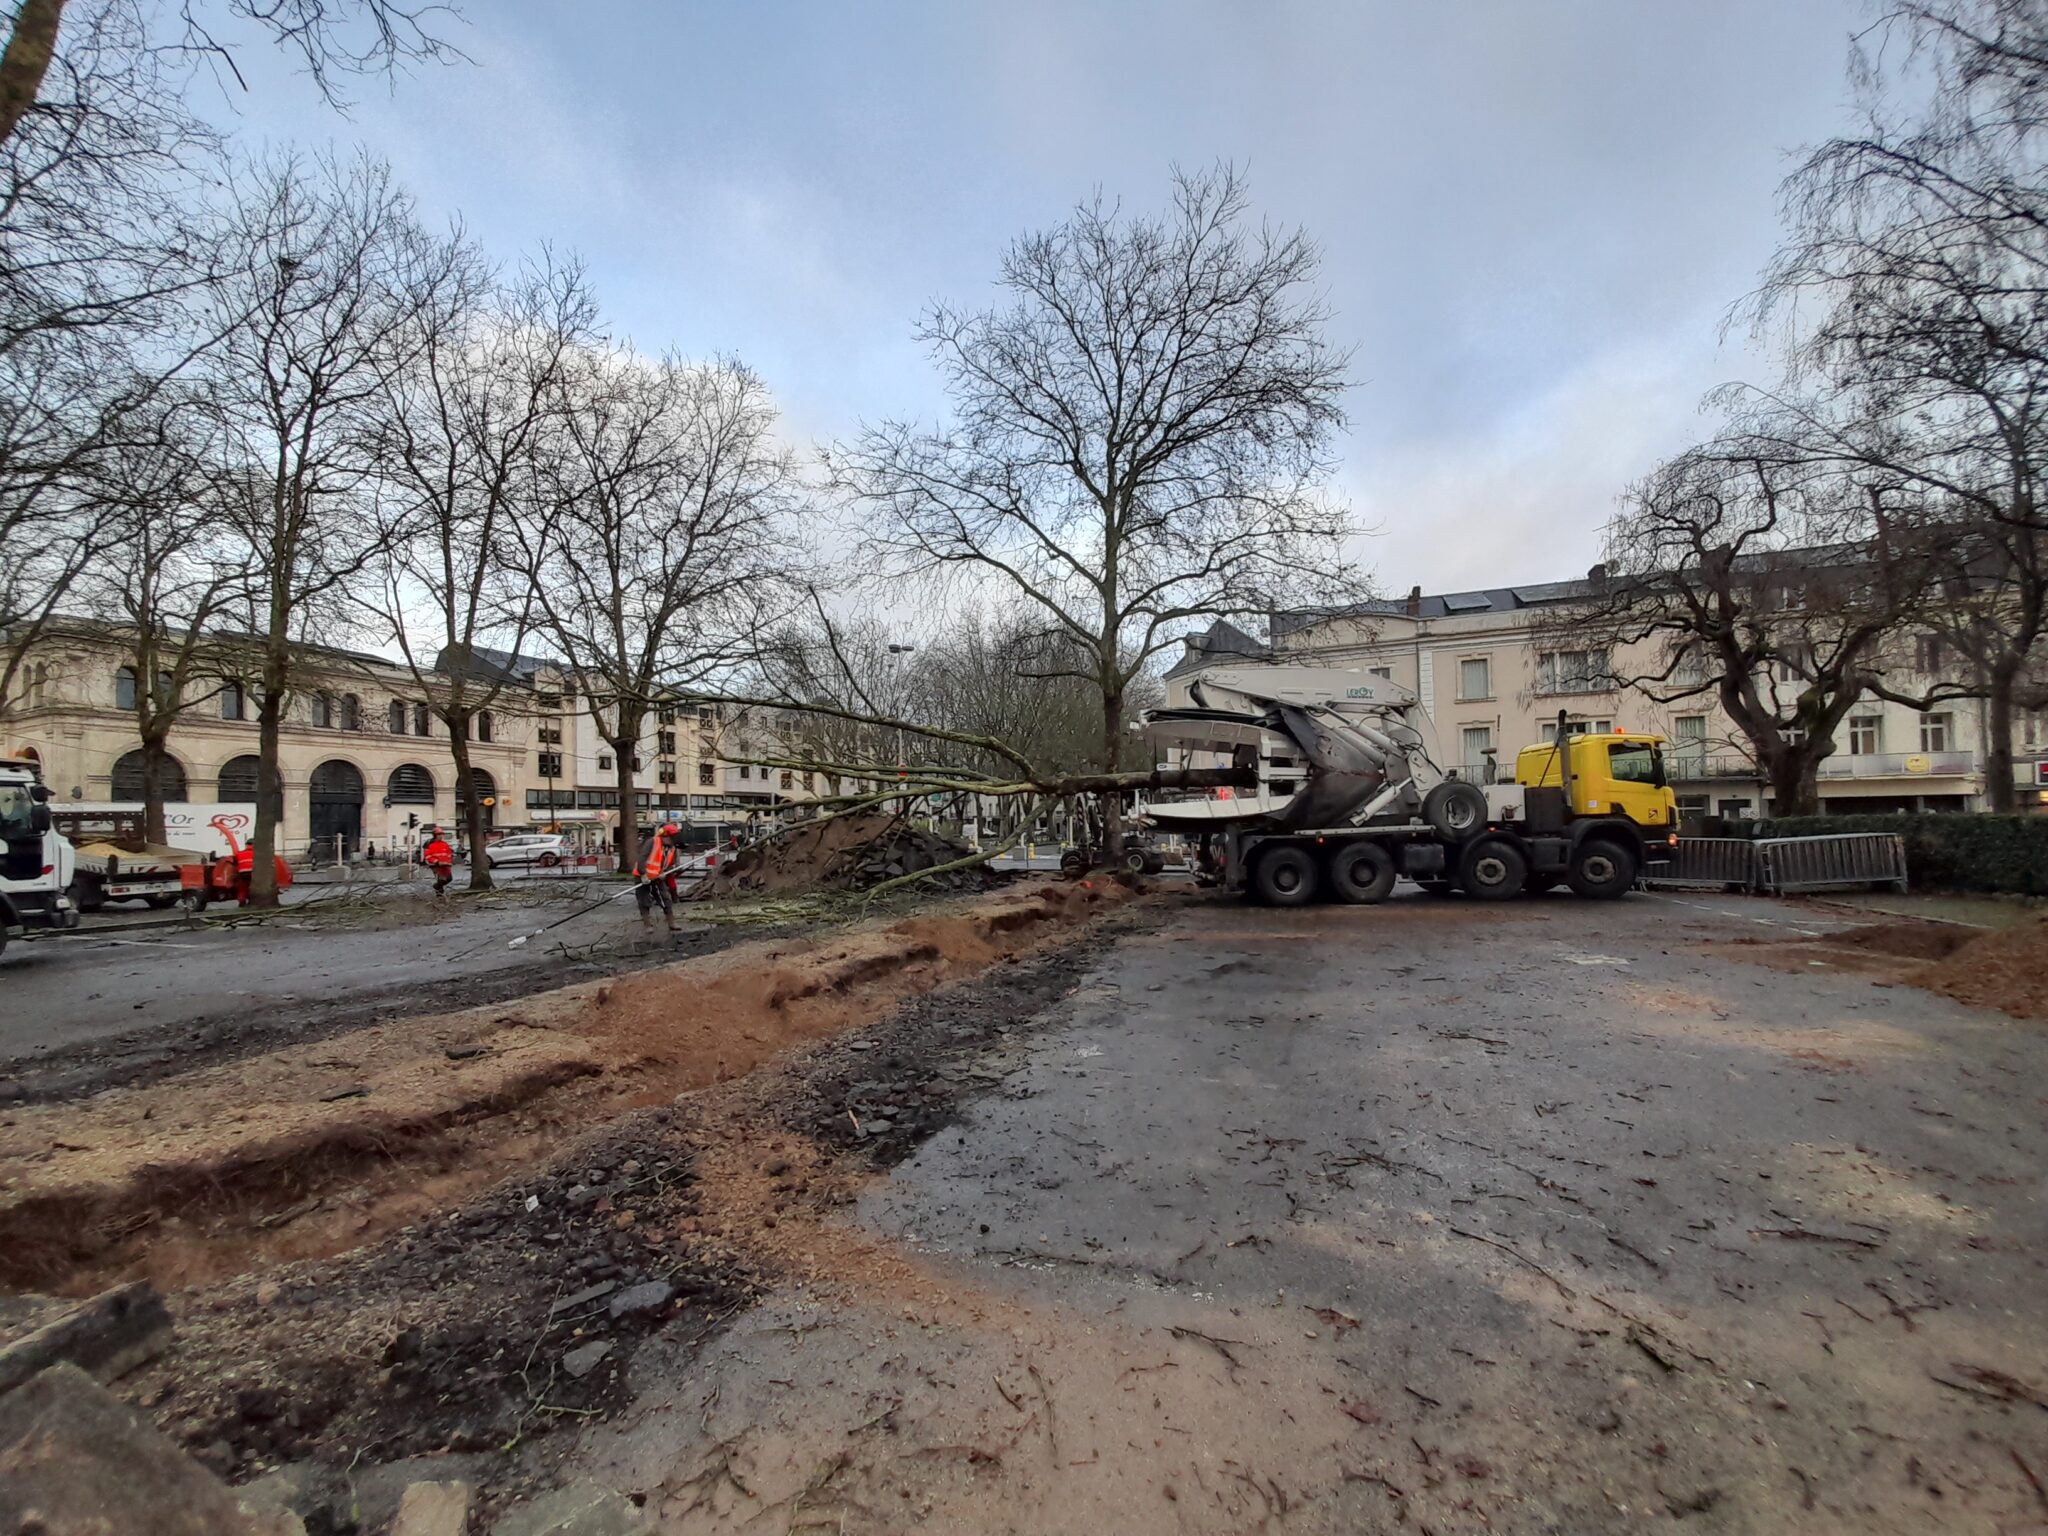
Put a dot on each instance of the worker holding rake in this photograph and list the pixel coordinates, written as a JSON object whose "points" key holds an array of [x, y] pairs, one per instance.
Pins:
{"points": [[658, 878]]}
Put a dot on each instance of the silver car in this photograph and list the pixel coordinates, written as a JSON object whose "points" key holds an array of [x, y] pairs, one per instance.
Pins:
{"points": [[543, 848]]}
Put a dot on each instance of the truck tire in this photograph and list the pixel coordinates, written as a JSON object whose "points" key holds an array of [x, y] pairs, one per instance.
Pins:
{"points": [[1361, 873], [1493, 869], [1456, 809], [1602, 869], [1073, 864], [1284, 877], [86, 895]]}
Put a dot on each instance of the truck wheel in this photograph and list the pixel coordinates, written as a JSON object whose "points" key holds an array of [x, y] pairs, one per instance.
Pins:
{"points": [[1285, 877], [1493, 869], [1456, 809], [1602, 870], [1134, 861], [1361, 872], [1073, 864]]}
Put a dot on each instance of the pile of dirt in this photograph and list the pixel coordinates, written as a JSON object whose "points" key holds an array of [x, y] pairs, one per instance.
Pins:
{"points": [[469, 1336], [852, 852], [2006, 970], [1903, 941], [317, 1148]]}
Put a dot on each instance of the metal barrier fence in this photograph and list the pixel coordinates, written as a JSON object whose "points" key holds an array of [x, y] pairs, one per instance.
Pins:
{"points": [[1783, 865], [1717, 862], [1786, 864]]}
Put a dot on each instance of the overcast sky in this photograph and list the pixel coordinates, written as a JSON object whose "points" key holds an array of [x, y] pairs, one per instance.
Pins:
{"points": [[1533, 214]]}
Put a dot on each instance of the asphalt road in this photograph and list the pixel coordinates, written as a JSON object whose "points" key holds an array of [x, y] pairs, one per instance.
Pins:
{"points": [[1430, 1217], [112, 979]]}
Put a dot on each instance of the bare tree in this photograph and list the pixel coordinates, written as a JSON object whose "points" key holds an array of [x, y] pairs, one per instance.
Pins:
{"points": [[1775, 584], [332, 276], [98, 256], [157, 45], [166, 575], [1913, 284], [460, 435], [1139, 442], [665, 538]]}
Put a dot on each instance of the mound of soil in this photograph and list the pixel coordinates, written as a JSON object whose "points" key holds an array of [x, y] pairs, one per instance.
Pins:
{"points": [[458, 1337], [1903, 941], [852, 852], [2006, 970], [317, 1148]]}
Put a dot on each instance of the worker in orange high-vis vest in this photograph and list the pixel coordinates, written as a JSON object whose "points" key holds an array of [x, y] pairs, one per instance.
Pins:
{"points": [[439, 859], [658, 878]]}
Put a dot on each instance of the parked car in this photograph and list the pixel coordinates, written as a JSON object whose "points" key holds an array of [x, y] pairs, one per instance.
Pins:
{"points": [[543, 848]]}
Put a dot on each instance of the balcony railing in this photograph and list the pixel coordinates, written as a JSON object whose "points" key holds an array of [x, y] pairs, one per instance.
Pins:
{"points": [[1902, 765], [1683, 767], [1691, 766]]}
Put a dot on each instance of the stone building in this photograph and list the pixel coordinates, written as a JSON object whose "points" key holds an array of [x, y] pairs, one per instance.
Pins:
{"points": [[364, 760]]}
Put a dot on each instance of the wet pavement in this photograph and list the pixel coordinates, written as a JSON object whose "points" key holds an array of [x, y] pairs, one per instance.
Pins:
{"points": [[1434, 1216]]}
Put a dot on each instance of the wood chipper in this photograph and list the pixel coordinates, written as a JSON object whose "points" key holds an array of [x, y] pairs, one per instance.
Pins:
{"points": [[228, 876]]}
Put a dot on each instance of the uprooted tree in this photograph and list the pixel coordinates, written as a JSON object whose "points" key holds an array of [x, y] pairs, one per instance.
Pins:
{"points": [[946, 768], [1139, 439]]}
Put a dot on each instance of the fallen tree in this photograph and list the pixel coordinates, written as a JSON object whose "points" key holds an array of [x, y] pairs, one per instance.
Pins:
{"points": [[948, 784]]}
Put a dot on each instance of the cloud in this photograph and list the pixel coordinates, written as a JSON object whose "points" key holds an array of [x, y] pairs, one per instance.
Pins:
{"points": [[1525, 497]]}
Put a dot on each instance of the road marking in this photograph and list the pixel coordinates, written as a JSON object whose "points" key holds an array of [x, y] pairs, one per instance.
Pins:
{"points": [[1700, 906]]}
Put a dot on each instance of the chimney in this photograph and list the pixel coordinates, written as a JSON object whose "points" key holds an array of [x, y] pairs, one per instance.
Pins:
{"points": [[1597, 574], [1414, 602]]}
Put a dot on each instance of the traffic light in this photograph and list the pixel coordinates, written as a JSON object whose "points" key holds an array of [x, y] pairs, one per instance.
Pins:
{"points": [[412, 820]]}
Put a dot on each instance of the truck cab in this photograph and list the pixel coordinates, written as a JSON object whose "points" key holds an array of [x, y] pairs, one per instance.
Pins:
{"points": [[1614, 773], [36, 863]]}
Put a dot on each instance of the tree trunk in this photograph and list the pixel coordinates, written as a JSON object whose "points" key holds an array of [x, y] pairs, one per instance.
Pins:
{"points": [[629, 814], [1112, 756], [30, 47], [269, 788], [472, 806], [1999, 793], [1795, 788], [154, 758]]}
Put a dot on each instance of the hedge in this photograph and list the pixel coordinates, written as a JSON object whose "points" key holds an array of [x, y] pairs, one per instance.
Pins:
{"points": [[1948, 850]]}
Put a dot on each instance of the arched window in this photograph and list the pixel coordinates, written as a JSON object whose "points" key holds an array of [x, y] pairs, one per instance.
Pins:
{"points": [[234, 703], [128, 777], [421, 720], [42, 681], [483, 725], [398, 717], [410, 784], [238, 779], [351, 707], [323, 711], [124, 692], [166, 690]]}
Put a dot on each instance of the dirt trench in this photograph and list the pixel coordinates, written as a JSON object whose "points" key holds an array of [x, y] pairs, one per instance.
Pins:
{"points": [[315, 1149]]}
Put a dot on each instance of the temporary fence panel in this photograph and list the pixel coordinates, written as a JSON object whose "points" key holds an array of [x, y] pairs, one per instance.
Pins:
{"points": [[1788, 864], [1716, 862]]}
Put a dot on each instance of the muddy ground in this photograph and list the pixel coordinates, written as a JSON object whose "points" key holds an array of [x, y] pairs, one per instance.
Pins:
{"points": [[1172, 1216], [1549, 1218]]}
